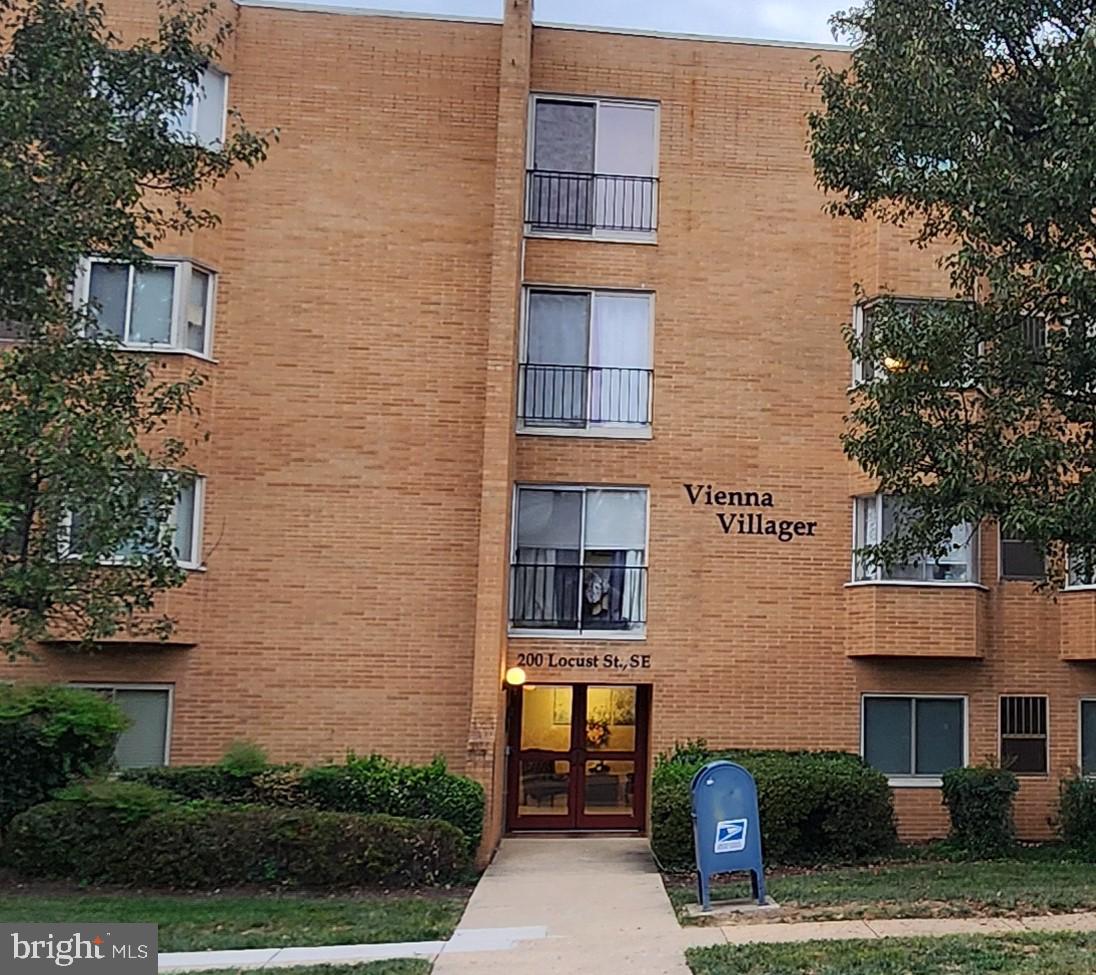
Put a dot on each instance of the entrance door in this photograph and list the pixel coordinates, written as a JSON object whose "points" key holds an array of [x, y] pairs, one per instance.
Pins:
{"points": [[578, 757]]}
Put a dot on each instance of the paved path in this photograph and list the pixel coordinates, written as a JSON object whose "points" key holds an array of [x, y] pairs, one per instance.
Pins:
{"points": [[599, 903]]}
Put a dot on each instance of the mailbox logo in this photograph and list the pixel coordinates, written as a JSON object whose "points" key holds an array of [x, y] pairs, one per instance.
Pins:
{"points": [[730, 835]]}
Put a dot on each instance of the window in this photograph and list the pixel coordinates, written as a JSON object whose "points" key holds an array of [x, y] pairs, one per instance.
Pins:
{"points": [[586, 360], [865, 367], [1088, 737], [1024, 735], [593, 167], [203, 118], [579, 559], [164, 305], [184, 522], [878, 516], [146, 741], [914, 736], [1021, 559], [1081, 567]]}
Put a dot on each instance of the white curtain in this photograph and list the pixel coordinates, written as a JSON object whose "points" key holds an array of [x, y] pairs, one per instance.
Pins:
{"points": [[620, 352], [626, 143], [616, 521]]}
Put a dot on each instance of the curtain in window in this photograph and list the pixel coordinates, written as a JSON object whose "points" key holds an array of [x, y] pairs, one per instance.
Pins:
{"points": [[196, 310], [150, 314], [107, 291], [563, 163], [184, 521], [209, 107], [620, 354], [557, 346], [626, 140], [143, 742], [616, 538], [546, 578]]}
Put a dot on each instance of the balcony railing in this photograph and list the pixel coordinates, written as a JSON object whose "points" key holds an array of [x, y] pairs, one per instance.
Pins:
{"points": [[583, 203], [582, 396], [578, 597]]}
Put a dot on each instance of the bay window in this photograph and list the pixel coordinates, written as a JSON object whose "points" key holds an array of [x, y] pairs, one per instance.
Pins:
{"points": [[877, 517], [579, 559], [164, 305]]}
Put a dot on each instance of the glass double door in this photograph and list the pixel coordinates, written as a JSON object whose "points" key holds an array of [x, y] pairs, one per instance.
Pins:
{"points": [[578, 757]]}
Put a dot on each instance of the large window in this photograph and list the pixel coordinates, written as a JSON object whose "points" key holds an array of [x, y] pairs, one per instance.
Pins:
{"points": [[910, 737], [163, 305], [1024, 735], [869, 364], [1088, 737], [184, 524], [878, 516], [586, 360], [579, 559], [146, 741], [593, 167], [203, 118]]}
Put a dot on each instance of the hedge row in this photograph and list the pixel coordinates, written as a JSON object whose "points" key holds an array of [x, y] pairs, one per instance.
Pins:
{"points": [[373, 785], [50, 736], [1077, 816], [815, 807], [126, 833]]}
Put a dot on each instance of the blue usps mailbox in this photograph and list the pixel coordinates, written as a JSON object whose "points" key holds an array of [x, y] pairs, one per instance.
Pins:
{"points": [[726, 827]]}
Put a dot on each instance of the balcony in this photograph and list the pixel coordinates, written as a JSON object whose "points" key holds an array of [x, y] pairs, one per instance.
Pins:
{"points": [[912, 621], [591, 204], [584, 398], [583, 599]]}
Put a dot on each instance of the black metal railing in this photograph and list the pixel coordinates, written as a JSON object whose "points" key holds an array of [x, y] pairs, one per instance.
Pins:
{"points": [[585, 202], [578, 597], [580, 396]]}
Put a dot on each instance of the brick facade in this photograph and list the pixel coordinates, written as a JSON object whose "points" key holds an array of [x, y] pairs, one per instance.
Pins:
{"points": [[363, 452]]}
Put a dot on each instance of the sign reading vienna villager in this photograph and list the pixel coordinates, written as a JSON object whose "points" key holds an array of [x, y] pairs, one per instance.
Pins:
{"points": [[735, 522]]}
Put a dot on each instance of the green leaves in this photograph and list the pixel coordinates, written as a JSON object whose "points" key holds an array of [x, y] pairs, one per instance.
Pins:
{"points": [[972, 124], [92, 447]]}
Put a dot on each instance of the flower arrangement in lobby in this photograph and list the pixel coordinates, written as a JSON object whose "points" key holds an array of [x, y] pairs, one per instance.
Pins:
{"points": [[597, 731]]}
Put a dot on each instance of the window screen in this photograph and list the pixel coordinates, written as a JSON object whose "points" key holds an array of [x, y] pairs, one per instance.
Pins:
{"points": [[1021, 559], [1024, 735]]}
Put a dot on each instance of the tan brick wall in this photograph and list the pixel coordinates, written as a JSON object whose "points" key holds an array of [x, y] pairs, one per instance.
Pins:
{"points": [[361, 411]]}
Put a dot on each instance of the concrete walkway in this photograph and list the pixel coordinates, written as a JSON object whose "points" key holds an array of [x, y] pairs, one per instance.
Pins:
{"points": [[599, 903]]}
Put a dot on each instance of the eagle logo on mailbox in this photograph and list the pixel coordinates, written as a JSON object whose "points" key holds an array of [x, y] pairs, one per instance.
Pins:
{"points": [[730, 835]]}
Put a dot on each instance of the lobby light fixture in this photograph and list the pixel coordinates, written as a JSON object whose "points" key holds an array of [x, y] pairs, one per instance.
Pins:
{"points": [[515, 677]]}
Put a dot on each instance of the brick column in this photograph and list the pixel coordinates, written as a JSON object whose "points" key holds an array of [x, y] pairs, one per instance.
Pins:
{"points": [[486, 738]]}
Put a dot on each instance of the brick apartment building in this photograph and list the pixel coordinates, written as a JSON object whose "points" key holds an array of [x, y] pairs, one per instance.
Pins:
{"points": [[524, 350]]}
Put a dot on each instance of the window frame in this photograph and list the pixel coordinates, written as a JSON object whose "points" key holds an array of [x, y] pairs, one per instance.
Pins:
{"points": [[629, 236], [1001, 577], [1001, 698], [914, 780], [973, 548], [191, 129], [194, 564], [112, 686], [636, 633], [183, 268], [600, 431], [1081, 702]]}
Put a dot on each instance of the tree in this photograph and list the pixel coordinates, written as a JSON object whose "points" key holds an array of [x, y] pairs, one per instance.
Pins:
{"points": [[973, 124], [92, 162]]}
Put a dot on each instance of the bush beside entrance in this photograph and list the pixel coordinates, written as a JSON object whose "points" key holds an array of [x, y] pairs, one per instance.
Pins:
{"points": [[815, 807]]}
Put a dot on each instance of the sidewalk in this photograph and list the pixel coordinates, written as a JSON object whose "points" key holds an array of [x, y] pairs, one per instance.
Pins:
{"points": [[552, 905]]}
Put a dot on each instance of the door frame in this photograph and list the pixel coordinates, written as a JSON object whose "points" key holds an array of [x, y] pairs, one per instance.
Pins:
{"points": [[577, 756]]}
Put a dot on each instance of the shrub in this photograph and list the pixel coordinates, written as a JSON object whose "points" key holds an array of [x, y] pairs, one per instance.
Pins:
{"points": [[362, 785], [207, 847], [49, 737], [244, 757], [1077, 815], [815, 807], [979, 800], [380, 785], [130, 801]]}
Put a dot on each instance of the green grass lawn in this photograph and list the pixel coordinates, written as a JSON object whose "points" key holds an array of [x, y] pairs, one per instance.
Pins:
{"points": [[401, 966], [1031, 884], [1034, 954], [205, 921]]}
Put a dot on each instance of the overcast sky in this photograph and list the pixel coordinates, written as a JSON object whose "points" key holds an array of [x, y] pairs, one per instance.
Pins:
{"points": [[793, 20]]}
